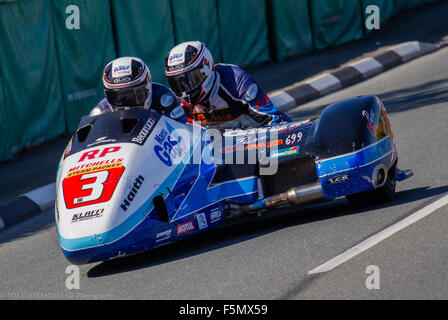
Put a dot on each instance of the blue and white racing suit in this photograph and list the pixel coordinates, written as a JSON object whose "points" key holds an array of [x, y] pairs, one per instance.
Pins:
{"points": [[236, 100], [163, 101]]}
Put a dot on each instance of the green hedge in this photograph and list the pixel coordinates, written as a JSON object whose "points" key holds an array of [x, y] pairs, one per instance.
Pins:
{"points": [[31, 110], [143, 32], [290, 24], [335, 22], [82, 55]]}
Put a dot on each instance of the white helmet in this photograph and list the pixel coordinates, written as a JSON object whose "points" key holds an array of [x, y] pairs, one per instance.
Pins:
{"points": [[190, 70], [127, 83]]}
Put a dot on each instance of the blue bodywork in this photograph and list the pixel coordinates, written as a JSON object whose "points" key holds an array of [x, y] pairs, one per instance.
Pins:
{"points": [[197, 200]]}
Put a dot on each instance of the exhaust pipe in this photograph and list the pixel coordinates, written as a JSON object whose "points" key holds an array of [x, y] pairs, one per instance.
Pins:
{"points": [[295, 196], [379, 176]]}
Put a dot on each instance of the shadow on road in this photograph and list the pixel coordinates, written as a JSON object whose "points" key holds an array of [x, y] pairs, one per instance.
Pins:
{"points": [[434, 92], [249, 229], [27, 228], [430, 93]]}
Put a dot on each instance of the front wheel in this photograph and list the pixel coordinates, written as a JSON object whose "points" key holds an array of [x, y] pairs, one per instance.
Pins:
{"points": [[386, 193]]}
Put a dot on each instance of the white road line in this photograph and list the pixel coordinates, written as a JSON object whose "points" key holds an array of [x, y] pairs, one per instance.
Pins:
{"points": [[377, 238]]}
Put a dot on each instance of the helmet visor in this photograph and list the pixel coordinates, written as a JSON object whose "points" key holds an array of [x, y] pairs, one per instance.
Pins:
{"points": [[187, 81], [127, 97]]}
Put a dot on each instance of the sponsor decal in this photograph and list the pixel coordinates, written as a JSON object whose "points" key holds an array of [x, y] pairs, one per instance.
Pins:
{"points": [[255, 146], [202, 221], [282, 129], [251, 92], [338, 179], [86, 185], [68, 149], [134, 190], [83, 216], [95, 166], [57, 211], [177, 112], [123, 70], [294, 138], [215, 215], [122, 80], [370, 122], [92, 154], [166, 100], [101, 140], [245, 140], [185, 227], [143, 134], [167, 147], [176, 58], [248, 132], [285, 152], [164, 235]]}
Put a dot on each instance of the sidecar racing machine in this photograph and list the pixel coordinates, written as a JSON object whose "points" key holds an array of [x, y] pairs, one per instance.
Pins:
{"points": [[133, 180]]}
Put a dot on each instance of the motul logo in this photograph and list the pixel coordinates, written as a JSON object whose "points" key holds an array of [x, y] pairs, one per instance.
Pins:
{"points": [[185, 227]]}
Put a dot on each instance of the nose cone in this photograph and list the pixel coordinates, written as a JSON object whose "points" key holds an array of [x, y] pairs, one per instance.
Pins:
{"points": [[106, 246]]}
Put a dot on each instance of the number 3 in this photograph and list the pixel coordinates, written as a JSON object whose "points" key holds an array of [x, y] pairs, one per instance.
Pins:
{"points": [[90, 188], [97, 186]]}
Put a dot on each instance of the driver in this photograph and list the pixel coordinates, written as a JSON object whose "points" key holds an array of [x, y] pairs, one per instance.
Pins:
{"points": [[221, 95], [127, 83]]}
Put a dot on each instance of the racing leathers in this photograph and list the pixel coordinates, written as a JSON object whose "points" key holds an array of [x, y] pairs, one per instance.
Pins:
{"points": [[235, 101], [163, 101]]}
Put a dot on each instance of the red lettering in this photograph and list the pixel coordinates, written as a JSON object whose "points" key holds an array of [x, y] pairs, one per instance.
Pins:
{"points": [[109, 150], [89, 155]]}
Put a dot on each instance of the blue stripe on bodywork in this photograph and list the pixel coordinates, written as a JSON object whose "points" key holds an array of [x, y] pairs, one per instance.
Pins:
{"points": [[358, 166], [354, 160], [202, 194]]}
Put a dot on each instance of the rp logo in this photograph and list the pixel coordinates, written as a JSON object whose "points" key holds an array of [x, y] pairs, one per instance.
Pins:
{"points": [[92, 154]]}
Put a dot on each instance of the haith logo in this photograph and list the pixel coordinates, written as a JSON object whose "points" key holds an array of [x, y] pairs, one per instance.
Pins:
{"points": [[135, 187]]}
